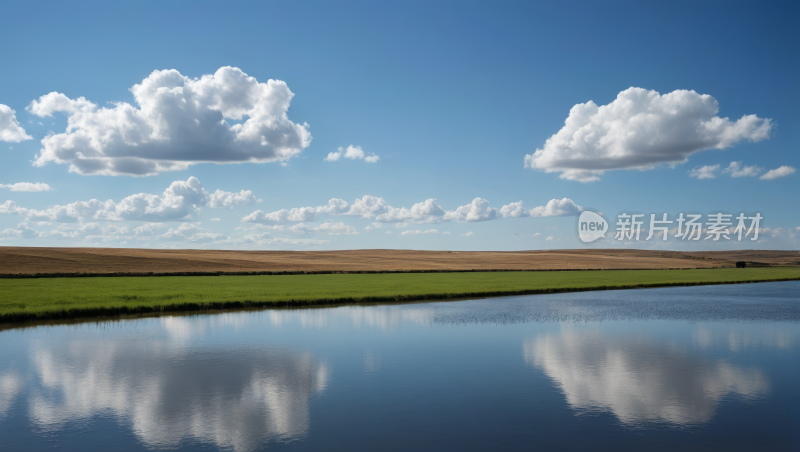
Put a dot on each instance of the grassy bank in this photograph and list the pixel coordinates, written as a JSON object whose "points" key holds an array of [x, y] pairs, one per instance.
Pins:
{"points": [[51, 298]]}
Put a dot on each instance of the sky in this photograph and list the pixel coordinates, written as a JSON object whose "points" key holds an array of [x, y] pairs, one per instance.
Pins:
{"points": [[401, 125]]}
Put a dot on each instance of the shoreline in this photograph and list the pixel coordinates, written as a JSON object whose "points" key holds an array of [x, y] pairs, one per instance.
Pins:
{"points": [[14, 319]]}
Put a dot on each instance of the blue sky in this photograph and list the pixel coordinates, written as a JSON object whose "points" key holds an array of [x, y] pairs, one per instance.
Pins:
{"points": [[450, 96]]}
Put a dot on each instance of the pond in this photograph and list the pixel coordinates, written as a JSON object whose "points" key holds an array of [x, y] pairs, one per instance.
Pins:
{"points": [[711, 367]]}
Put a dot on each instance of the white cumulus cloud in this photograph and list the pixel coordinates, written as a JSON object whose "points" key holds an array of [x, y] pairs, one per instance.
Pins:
{"points": [[10, 130], [735, 169], [639, 130], [178, 121], [554, 208], [22, 231], [704, 172], [226, 199], [353, 153], [179, 200], [782, 171], [27, 186], [429, 211], [192, 233], [477, 210]]}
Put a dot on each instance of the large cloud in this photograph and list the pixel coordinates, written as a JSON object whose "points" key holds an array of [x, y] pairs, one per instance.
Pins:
{"points": [[179, 121], [428, 211], [179, 200], [639, 130], [10, 130]]}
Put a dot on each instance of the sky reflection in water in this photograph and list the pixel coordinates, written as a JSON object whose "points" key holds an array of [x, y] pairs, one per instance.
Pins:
{"points": [[677, 367]]}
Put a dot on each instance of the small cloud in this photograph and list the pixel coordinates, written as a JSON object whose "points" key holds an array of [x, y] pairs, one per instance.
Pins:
{"points": [[537, 234], [552, 238], [352, 153], [429, 231], [389, 231], [704, 172], [215, 219], [446, 232], [468, 234], [735, 169], [782, 171], [27, 186]]}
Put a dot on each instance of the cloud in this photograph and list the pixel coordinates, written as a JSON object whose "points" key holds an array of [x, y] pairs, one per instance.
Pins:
{"points": [[262, 239], [704, 172], [782, 171], [429, 231], [554, 208], [477, 210], [736, 170], [215, 219], [225, 199], [192, 233], [88, 229], [640, 129], [552, 238], [22, 231], [422, 212], [179, 200], [298, 214], [352, 153], [178, 121], [27, 186], [468, 234], [328, 227], [148, 229], [10, 130], [428, 211]]}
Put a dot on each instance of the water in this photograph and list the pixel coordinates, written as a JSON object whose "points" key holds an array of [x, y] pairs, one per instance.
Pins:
{"points": [[714, 367]]}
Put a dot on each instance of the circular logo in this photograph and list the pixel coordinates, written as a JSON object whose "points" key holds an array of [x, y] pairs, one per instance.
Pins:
{"points": [[591, 226]]}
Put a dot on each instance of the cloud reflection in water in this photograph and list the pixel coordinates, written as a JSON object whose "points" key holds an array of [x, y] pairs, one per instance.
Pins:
{"points": [[231, 398], [638, 379]]}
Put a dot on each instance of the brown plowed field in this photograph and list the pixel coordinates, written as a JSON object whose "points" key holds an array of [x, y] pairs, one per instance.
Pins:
{"points": [[21, 260]]}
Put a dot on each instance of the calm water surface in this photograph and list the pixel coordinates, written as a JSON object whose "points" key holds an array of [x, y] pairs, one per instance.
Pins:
{"points": [[715, 367]]}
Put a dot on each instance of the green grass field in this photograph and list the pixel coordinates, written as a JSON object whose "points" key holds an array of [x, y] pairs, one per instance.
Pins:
{"points": [[51, 298]]}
